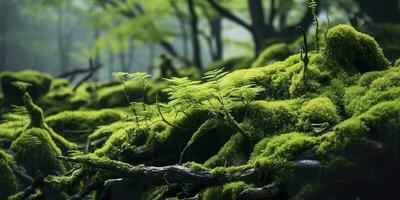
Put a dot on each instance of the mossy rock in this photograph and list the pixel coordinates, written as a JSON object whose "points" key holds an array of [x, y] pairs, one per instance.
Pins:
{"points": [[354, 50], [226, 191], [70, 123], [35, 150], [375, 87], [40, 85], [318, 111], [9, 183], [275, 52]]}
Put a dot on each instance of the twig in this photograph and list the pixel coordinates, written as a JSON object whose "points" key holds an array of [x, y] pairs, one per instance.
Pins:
{"points": [[163, 118]]}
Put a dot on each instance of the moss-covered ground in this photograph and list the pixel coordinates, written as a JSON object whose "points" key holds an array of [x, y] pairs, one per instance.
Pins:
{"points": [[267, 128]]}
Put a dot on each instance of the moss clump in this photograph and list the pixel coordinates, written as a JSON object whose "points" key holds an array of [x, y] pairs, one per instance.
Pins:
{"points": [[233, 153], [35, 150], [37, 121], [8, 183], [383, 121], [270, 117], [316, 111], [286, 146], [69, 123], [227, 191], [231, 64], [380, 87], [275, 52], [40, 85], [354, 50], [397, 63], [346, 137]]}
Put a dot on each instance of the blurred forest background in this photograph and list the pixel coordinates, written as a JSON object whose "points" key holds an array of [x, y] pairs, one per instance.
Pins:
{"points": [[58, 36]]}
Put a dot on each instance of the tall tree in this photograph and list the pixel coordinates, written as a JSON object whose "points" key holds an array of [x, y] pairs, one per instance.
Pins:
{"points": [[195, 34]]}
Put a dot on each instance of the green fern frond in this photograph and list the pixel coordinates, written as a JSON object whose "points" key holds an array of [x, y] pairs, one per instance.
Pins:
{"points": [[23, 86], [141, 76], [120, 76]]}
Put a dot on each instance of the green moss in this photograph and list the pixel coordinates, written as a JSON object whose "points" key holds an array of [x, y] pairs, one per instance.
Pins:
{"points": [[270, 117], [354, 50], [35, 150], [40, 85], [285, 146], [367, 78], [227, 191], [108, 130], [37, 121], [346, 137], [397, 63], [119, 138], [233, 153], [375, 87], [383, 121], [231, 64], [316, 111], [8, 183], [69, 123], [275, 52]]}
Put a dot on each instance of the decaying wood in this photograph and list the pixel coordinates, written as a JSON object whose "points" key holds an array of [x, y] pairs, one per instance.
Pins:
{"points": [[149, 175]]}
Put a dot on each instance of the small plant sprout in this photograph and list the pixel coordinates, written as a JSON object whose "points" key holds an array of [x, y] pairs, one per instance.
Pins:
{"points": [[23, 86], [121, 77]]}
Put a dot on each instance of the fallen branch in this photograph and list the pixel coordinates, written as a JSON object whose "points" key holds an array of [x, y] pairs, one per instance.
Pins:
{"points": [[149, 175]]}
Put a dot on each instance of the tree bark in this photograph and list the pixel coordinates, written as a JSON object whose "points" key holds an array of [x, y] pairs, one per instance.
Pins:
{"points": [[182, 25], [195, 35], [216, 33], [260, 29], [149, 175]]}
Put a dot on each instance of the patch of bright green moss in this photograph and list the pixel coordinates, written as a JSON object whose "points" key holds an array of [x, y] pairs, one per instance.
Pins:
{"points": [[70, 121], [231, 64], [275, 52], [227, 191], [316, 111], [37, 121], [35, 150], [354, 50]]}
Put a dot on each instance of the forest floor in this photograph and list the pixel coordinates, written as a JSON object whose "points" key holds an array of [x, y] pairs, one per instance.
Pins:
{"points": [[317, 125]]}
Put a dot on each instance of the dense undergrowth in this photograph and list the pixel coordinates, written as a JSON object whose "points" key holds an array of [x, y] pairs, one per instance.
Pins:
{"points": [[279, 131]]}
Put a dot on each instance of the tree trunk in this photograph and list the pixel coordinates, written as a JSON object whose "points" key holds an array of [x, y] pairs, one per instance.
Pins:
{"points": [[216, 33], [260, 30], [195, 35], [182, 25]]}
